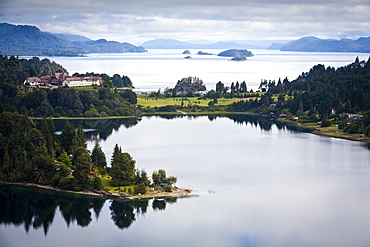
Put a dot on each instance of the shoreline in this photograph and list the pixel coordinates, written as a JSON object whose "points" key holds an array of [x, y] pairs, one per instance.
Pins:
{"points": [[315, 130], [179, 192]]}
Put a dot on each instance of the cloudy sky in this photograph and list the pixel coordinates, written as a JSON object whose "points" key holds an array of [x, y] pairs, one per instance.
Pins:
{"points": [[136, 21]]}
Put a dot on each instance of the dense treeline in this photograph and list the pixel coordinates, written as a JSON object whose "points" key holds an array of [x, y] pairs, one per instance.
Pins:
{"points": [[33, 153], [111, 81], [77, 103], [323, 94], [102, 101], [13, 72]]}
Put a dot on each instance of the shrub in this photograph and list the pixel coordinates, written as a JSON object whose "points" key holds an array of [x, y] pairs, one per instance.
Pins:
{"points": [[141, 188], [66, 183], [325, 123], [96, 183], [167, 188]]}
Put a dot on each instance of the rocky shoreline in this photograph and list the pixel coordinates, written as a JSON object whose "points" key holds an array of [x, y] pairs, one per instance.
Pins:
{"points": [[104, 194]]}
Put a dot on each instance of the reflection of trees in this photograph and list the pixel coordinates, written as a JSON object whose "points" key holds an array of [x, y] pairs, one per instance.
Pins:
{"points": [[160, 204], [101, 127], [37, 209], [77, 210], [33, 208], [122, 214]]}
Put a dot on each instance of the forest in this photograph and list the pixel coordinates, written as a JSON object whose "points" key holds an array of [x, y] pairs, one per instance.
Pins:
{"points": [[97, 102], [31, 152], [325, 95]]}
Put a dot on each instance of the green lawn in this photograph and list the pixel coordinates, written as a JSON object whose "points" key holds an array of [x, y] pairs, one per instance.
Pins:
{"points": [[85, 88], [152, 102], [106, 184]]}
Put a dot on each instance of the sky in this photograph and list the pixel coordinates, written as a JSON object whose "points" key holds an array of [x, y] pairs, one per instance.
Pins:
{"points": [[136, 21]]}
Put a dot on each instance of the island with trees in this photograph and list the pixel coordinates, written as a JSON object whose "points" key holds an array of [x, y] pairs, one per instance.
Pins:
{"points": [[32, 155], [236, 53]]}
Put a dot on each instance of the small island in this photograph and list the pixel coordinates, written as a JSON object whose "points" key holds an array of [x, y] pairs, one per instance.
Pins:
{"points": [[186, 52], [235, 53], [204, 53], [187, 57], [239, 58]]}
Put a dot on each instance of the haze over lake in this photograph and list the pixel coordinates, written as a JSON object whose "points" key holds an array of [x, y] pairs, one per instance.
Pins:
{"points": [[163, 68]]}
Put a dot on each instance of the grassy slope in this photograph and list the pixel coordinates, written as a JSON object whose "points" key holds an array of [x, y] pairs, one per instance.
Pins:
{"points": [[152, 102], [106, 184]]}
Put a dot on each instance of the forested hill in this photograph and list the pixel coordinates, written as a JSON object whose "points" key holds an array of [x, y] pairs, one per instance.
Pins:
{"points": [[104, 46], [24, 40], [98, 101], [314, 44], [345, 89]]}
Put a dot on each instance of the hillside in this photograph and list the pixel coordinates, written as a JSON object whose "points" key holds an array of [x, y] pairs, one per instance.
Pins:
{"points": [[104, 46], [26, 40], [70, 37], [313, 44], [175, 44]]}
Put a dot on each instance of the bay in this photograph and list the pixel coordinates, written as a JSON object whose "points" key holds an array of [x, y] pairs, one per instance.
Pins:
{"points": [[161, 68], [255, 183]]}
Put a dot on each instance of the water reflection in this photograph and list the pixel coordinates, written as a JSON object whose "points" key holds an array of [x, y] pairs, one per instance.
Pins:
{"points": [[103, 128], [37, 209], [98, 128]]}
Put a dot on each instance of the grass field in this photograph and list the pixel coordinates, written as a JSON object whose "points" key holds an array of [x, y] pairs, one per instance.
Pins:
{"points": [[106, 184], [158, 102]]}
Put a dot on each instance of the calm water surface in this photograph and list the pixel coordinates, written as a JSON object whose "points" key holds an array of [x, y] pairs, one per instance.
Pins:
{"points": [[163, 68], [257, 184]]}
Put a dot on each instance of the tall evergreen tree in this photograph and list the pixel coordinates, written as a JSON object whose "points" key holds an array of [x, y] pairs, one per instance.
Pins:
{"points": [[123, 169], [98, 158], [82, 162], [47, 130], [66, 137], [116, 150], [79, 139]]}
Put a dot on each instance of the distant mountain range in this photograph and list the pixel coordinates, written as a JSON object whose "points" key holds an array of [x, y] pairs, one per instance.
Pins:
{"points": [[175, 44], [104, 46], [70, 37], [30, 41], [314, 44], [24, 40]]}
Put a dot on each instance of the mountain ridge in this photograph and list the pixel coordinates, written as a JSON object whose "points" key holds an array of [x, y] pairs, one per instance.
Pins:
{"points": [[176, 44], [314, 44], [27, 40]]}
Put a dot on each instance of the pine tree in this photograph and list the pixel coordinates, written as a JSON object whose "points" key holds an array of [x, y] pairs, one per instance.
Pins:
{"points": [[123, 169], [47, 130], [98, 158], [116, 150], [79, 139], [81, 161], [66, 137]]}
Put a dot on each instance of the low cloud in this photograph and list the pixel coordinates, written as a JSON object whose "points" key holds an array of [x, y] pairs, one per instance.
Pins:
{"points": [[140, 20]]}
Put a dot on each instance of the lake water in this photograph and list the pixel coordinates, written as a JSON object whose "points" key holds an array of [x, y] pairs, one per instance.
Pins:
{"points": [[255, 183], [163, 68]]}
